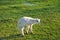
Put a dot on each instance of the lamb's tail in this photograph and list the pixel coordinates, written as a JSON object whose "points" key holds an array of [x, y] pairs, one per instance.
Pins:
{"points": [[18, 24]]}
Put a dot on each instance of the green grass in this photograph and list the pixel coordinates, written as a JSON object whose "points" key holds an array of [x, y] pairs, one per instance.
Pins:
{"points": [[48, 11]]}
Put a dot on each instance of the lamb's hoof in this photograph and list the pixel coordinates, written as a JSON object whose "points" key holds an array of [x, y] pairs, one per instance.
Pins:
{"points": [[31, 33], [22, 35], [26, 33]]}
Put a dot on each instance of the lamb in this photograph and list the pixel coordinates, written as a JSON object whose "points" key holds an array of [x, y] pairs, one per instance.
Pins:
{"points": [[27, 22]]}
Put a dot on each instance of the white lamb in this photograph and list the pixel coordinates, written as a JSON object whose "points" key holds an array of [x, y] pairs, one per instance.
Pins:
{"points": [[27, 21]]}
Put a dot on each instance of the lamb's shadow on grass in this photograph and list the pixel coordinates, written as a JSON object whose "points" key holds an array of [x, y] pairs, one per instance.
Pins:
{"points": [[17, 36], [10, 37]]}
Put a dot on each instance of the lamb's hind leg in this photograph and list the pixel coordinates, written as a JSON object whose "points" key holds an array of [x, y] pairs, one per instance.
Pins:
{"points": [[22, 31]]}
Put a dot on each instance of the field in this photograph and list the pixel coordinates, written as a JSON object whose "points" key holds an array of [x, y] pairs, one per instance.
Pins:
{"points": [[46, 10]]}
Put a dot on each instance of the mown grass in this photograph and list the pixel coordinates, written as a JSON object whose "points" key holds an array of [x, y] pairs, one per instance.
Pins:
{"points": [[47, 11]]}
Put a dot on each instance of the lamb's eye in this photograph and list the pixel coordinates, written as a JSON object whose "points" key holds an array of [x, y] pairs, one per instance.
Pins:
{"points": [[36, 20]]}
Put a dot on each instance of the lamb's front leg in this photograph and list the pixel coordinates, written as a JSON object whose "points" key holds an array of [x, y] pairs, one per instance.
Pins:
{"points": [[27, 29], [31, 30]]}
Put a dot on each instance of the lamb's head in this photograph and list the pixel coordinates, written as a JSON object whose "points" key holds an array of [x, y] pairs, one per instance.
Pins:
{"points": [[36, 21]]}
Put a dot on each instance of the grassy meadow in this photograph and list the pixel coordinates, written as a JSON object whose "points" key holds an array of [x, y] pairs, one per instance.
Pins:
{"points": [[46, 10]]}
